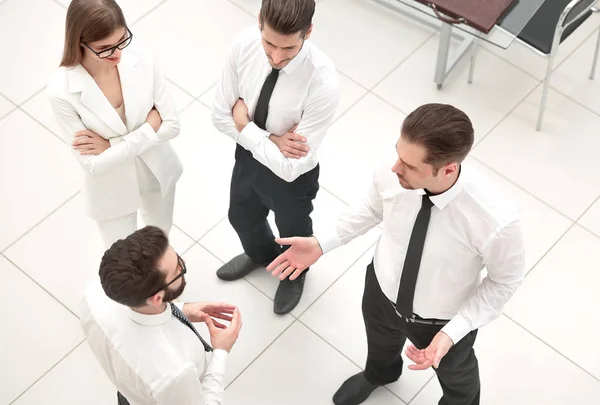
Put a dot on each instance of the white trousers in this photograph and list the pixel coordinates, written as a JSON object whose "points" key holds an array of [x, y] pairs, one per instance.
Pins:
{"points": [[155, 210]]}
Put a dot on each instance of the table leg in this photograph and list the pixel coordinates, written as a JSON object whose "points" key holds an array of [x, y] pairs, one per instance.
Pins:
{"points": [[446, 62]]}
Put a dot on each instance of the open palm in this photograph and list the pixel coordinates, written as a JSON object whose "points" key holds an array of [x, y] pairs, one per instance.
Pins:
{"points": [[302, 253]]}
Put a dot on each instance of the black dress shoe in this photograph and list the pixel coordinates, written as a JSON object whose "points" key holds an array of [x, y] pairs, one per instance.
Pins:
{"points": [[238, 267], [288, 294], [354, 390]]}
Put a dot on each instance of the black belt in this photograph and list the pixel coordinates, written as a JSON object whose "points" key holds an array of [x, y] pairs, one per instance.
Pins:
{"points": [[418, 320]]}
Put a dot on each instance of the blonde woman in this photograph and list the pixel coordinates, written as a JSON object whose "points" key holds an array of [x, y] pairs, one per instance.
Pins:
{"points": [[112, 102]]}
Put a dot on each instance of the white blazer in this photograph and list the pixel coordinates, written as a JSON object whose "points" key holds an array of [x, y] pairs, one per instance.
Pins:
{"points": [[110, 186]]}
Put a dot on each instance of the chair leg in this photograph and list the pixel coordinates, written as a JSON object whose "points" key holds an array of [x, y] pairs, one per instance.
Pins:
{"points": [[595, 61], [473, 55], [546, 87]]}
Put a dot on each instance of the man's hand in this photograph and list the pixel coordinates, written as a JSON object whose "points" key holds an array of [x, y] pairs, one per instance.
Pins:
{"points": [[432, 354], [303, 253], [290, 144], [89, 143], [198, 312], [240, 115], [224, 339]]}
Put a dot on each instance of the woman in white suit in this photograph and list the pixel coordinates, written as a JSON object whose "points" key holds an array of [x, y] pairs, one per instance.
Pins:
{"points": [[118, 117]]}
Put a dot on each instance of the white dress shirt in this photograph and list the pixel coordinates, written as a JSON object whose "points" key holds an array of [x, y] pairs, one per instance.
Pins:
{"points": [[306, 93], [472, 226], [151, 359]]}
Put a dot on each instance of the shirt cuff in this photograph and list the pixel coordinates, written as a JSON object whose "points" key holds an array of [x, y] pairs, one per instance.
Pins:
{"points": [[457, 328], [218, 362], [328, 240], [251, 136]]}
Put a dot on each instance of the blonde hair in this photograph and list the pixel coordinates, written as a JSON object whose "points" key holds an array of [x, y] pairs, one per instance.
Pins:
{"points": [[89, 21]]}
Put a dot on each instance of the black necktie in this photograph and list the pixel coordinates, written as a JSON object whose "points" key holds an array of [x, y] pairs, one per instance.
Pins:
{"points": [[181, 317], [262, 106], [408, 281]]}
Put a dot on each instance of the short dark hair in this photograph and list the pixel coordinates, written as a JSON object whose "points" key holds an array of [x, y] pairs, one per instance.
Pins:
{"points": [[443, 130], [287, 17], [128, 271]]}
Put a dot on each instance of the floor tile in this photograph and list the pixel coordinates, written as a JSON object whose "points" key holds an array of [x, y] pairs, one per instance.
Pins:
{"points": [[76, 250], [188, 57], [224, 243], [298, 369], [542, 225], [533, 63], [132, 9], [77, 379], [557, 164], [357, 144], [208, 156], [369, 27], [250, 6], [517, 369], [572, 76], [486, 101], [337, 318], [563, 286], [31, 194], [591, 219], [5, 106], [33, 57], [260, 325], [27, 352]]}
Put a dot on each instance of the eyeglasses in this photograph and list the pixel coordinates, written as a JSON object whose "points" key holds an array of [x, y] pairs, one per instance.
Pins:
{"points": [[107, 53], [183, 271]]}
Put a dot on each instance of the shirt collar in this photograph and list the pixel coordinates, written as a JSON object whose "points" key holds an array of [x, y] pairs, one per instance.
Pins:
{"points": [[150, 320], [443, 199], [298, 59]]}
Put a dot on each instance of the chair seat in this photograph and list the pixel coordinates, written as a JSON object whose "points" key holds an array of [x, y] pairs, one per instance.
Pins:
{"points": [[539, 31]]}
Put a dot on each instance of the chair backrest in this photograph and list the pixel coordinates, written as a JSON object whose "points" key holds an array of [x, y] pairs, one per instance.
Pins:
{"points": [[574, 10]]}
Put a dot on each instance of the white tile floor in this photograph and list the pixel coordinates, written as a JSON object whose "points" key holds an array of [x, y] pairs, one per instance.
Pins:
{"points": [[543, 350]]}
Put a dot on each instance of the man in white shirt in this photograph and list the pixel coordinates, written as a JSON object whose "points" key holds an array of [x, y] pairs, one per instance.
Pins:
{"points": [[443, 223], [276, 99], [147, 344]]}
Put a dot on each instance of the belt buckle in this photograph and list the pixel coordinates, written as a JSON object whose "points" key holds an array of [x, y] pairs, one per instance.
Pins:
{"points": [[411, 319]]}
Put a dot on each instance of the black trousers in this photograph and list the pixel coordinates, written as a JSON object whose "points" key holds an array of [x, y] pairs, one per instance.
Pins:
{"points": [[458, 372], [121, 399], [256, 190]]}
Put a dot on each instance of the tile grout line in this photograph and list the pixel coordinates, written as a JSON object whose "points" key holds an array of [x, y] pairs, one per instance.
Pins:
{"points": [[519, 103], [576, 222], [57, 136], [345, 356], [209, 231], [148, 12], [57, 2], [180, 87], [40, 221], [414, 51], [241, 8], [48, 371], [40, 286], [261, 353], [335, 196], [551, 347], [521, 188], [422, 388]]}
